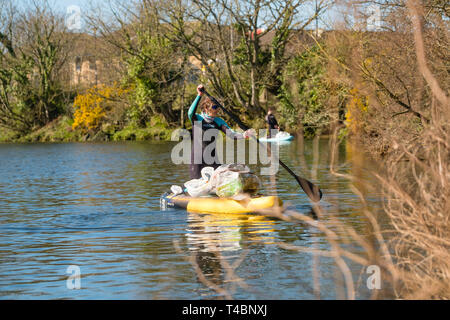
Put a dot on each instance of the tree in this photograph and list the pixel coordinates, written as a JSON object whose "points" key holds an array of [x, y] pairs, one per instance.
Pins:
{"points": [[306, 92], [35, 46], [384, 67], [242, 44], [154, 66]]}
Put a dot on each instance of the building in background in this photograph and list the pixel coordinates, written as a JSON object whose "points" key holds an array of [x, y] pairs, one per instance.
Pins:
{"points": [[89, 65]]}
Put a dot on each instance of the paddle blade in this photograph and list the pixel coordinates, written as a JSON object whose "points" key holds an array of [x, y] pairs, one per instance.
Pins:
{"points": [[311, 190]]}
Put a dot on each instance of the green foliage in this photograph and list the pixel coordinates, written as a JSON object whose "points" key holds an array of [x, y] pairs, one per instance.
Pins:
{"points": [[304, 92], [59, 130], [241, 57], [134, 133], [8, 136], [31, 93], [154, 73], [343, 133]]}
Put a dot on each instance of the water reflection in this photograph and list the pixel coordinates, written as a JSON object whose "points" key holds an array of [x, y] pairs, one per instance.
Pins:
{"points": [[214, 232], [218, 240], [207, 233]]}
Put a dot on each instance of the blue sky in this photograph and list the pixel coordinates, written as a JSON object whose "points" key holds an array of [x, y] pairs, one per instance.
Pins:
{"points": [[325, 22], [62, 5], [83, 4]]}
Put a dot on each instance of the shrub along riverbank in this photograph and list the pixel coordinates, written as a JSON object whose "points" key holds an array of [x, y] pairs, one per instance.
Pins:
{"points": [[60, 130]]}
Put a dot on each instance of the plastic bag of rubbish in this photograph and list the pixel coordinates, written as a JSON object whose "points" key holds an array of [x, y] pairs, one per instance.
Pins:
{"points": [[232, 183], [200, 187], [197, 187], [215, 178], [228, 184], [250, 182]]}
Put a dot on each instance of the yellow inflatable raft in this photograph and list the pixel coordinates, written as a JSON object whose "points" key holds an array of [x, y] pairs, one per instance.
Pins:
{"points": [[219, 205]]}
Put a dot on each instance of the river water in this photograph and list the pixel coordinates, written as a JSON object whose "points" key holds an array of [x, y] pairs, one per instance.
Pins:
{"points": [[95, 207]]}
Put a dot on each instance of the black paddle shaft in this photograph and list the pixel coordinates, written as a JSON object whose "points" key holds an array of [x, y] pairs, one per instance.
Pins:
{"points": [[311, 190]]}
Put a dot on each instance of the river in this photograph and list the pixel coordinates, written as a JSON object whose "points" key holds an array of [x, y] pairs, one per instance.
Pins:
{"points": [[95, 207]]}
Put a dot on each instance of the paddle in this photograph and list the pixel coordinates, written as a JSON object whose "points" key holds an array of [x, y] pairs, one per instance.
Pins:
{"points": [[311, 190]]}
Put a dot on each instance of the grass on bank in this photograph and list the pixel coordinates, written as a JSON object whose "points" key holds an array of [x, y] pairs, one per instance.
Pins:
{"points": [[60, 130]]}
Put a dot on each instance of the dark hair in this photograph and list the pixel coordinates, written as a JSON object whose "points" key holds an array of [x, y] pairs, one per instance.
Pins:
{"points": [[271, 109]]}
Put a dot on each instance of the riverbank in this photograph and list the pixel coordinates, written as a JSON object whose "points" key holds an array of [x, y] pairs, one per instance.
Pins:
{"points": [[60, 130]]}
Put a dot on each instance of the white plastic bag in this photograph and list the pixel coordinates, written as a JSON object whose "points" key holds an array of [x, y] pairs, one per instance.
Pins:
{"points": [[228, 180], [197, 187], [221, 171], [201, 187]]}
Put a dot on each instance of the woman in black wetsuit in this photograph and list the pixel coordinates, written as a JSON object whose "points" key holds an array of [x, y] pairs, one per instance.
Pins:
{"points": [[208, 119]]}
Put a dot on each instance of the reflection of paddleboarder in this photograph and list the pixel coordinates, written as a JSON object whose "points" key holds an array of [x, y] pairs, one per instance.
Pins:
{"points": [[207, 237], [272, 123]]}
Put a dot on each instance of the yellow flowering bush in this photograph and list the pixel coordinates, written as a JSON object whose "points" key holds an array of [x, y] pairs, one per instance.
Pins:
{"points": [[356, 107], [91, 107]]}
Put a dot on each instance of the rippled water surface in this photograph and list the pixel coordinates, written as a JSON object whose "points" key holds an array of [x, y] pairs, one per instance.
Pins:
{"points": [[96, 206]]}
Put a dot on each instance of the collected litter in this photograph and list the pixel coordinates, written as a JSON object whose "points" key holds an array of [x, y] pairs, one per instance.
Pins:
{"points": [[226, 181]]}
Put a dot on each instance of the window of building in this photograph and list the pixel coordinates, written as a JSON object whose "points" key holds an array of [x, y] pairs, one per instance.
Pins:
{"points": [[92, 64], [78, 64]]}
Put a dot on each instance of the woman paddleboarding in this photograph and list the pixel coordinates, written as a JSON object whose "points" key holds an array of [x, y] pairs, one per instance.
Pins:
{"points": [[207, 120]]}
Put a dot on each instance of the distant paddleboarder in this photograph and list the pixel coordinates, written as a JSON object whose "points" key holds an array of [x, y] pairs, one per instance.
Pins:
{"points": [[271, 121]]}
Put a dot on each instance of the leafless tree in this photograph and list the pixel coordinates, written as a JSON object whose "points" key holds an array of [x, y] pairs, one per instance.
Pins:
{"points": [[241, 44]]}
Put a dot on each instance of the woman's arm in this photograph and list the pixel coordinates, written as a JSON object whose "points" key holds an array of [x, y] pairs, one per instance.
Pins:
{"points": [[231, 133], [193, 109]]}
